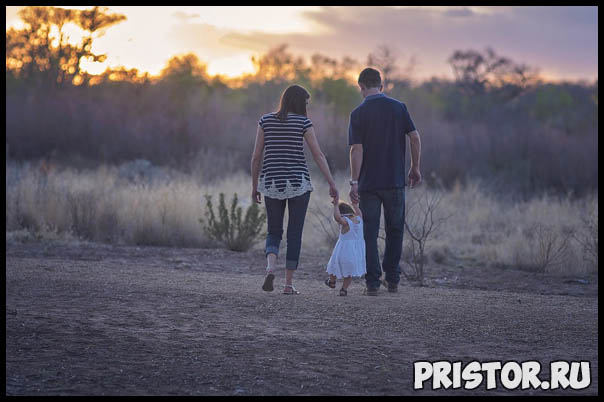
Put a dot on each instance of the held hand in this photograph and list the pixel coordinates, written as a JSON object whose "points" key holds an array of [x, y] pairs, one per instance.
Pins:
{"points": [[256, 196], [354, 193], [333, 192], [415, 177]]}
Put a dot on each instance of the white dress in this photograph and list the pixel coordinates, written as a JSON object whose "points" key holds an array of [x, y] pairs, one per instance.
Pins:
{"points": [[348, 256]]}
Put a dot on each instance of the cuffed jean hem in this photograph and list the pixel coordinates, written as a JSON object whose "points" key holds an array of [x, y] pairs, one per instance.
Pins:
{"points": [[271, 249], [291, 264]]}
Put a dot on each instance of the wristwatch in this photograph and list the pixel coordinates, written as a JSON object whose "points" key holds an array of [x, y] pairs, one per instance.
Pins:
{"points": [[354, 182]]}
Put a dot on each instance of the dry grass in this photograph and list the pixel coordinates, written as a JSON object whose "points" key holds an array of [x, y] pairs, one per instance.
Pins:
{"points": [[485, 230], [163, 209]]}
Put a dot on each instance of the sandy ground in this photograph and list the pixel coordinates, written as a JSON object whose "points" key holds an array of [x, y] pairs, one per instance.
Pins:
{"points": [[111, 320]]}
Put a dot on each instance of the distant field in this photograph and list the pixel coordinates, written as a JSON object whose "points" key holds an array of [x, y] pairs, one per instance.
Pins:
{"points": [[140, 204]]}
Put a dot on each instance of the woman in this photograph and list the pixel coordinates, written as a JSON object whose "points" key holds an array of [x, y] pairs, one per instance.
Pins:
{"points": [[284, 178]]}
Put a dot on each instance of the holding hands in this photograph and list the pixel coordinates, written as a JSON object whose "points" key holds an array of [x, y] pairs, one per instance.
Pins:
{"points": [[256, 195], [333, 192]]}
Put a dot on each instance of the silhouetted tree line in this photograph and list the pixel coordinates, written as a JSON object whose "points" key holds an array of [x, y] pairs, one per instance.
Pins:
{"points": [[496, 121], [42, 52]]}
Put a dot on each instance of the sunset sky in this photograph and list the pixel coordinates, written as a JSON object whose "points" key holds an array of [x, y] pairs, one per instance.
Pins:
{"points": [[561, 41]]}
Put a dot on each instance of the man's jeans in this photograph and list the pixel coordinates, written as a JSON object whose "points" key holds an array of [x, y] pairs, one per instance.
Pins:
{"points": [[394, 217], [275, 210]]}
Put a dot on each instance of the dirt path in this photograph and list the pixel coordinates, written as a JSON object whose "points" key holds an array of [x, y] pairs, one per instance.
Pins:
{"points": [[97, 320]]}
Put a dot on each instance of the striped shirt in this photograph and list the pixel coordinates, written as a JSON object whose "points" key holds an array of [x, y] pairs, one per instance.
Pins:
{"points": [[284, 172]]}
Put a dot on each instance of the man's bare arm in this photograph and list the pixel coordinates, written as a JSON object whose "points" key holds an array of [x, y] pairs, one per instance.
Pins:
{"points": [[416, 148], [356, 160]]}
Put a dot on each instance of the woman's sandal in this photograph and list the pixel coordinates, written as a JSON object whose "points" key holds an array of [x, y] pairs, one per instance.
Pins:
{"points": [[329, 283], [292, 290], [343, 292], [267, 286]]}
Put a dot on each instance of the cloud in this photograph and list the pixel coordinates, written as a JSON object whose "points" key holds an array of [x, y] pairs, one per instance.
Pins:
{"points": [[562, 40], [206, 40], [184, 17], [459, 12]]}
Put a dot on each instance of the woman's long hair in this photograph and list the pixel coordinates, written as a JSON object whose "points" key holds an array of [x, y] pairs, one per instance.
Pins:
{"points": [[293, 100]]}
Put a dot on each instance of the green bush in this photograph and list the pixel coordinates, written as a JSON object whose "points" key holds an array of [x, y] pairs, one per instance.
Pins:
{"points": [[229, 229]]}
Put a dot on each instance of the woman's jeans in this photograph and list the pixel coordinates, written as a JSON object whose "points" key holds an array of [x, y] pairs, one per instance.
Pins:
{"points": [[394, 217], [275, 210]]}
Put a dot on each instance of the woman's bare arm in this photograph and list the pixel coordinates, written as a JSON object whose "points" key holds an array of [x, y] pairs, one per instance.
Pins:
{"points": [[256, 161], [319, 157]]}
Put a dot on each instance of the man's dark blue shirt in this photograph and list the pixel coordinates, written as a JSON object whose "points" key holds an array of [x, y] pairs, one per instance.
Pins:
{"points": [[380, 123]]}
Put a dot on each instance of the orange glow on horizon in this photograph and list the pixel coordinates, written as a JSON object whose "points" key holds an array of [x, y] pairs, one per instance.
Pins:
{"points": [[225, 38]]}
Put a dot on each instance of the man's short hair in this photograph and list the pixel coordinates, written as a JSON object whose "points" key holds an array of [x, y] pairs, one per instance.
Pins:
{"points": [[370, 78]]}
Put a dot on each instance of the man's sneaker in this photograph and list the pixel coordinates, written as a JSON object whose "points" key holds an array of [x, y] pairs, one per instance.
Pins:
{"points": [[370, 292], [392, 288]]}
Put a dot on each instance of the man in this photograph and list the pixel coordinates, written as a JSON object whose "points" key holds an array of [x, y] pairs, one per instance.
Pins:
{"points": [[377, 166]]}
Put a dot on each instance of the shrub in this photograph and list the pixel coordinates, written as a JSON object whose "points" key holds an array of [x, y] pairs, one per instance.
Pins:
{"points": [[229, 229], [551, 246], [83, 210]]}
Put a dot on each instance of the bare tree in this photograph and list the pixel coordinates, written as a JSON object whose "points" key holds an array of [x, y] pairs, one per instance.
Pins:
{"points": [[347, 68], [384, 59], [41, 50], [477, 71], [278, 64], [421, 223], [551, 246], [325, 224], [588, 238], [322, 66]]}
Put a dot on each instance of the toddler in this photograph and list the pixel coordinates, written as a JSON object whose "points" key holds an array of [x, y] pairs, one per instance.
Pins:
{"points": [[348, 256]]}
